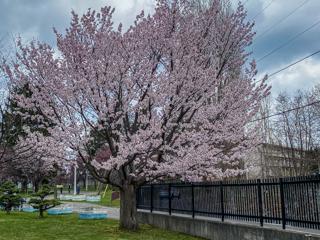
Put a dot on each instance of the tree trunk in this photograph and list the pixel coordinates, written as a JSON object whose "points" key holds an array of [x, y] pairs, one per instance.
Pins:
{"points": [[36, 186], [24, 186], [128, 210], [41, 212], [8, 209], [83, 182]]}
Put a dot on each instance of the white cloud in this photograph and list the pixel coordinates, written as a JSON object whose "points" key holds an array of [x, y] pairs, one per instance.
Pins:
{"points": [[125, 10], [35, 19], [302, 76]]}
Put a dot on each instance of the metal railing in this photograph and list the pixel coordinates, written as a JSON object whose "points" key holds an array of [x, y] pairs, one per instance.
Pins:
{"points": [[293, 201]]}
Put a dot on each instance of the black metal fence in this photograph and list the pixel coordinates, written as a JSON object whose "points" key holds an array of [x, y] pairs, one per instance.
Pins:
{"points": [[291, 201]]}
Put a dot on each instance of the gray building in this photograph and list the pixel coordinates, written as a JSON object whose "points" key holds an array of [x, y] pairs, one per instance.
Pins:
{"points": [[270, 160]]}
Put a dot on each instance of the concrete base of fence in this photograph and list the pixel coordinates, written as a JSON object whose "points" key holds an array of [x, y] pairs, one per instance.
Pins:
{"points": [[215, 230]]}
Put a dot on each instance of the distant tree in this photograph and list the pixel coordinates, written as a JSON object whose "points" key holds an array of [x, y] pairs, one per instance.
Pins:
{"points": [[40, 201], [9, 196], [256, 162], [297, 131], [5, 52], [2, 133], [4, 126]]}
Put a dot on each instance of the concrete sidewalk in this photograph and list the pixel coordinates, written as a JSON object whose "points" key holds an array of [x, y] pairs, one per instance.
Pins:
{"points": [[77, 207]]}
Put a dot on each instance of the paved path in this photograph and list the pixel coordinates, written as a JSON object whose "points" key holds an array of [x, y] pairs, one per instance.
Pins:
{"points": [[82, 206]]}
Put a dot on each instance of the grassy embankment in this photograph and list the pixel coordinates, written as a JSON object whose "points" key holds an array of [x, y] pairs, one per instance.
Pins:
{"points": [[27, 226]]}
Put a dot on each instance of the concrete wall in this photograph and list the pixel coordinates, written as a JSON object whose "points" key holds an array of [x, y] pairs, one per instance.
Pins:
{"points": [[216, 230]]}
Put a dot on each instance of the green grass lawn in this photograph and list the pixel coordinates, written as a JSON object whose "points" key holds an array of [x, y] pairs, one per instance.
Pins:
{"points": [[106, 200], [27, 226]]}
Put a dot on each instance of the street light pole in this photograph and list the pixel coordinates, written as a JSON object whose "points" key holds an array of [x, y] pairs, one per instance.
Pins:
{"points": [[87, 180], [75, 180]]}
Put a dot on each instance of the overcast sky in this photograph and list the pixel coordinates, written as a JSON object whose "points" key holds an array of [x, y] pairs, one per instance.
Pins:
{"points": [[34, 19]]}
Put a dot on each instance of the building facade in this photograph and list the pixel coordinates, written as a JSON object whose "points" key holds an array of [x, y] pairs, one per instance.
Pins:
{"points": [[270, 160]]}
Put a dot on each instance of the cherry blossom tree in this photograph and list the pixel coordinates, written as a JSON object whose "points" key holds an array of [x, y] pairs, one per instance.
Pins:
{"points": [[32, 159], [170, 97], [100, 154], [25, 156], [36, 158]]}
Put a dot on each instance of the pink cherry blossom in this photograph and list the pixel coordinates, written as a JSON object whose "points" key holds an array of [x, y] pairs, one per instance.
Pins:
{"points": [[170, 96]]}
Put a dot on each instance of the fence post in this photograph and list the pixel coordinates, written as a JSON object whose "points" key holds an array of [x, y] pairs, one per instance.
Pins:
{"points": [[151, 198], [260, 202], [221, 201], [137, 197], [283, 208], [192, 199], [169, 195]]}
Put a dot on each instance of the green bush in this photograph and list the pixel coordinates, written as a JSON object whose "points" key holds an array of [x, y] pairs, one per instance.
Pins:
{"points": [[9, 196], [40, 202]]}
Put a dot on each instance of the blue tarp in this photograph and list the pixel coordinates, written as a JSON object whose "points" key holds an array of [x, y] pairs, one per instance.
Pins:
{"points": [[29, 209], [59, 211], [93, 215]]}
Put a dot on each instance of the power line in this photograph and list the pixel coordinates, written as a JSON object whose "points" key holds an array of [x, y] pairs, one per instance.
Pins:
{"points": [[268, 5], [286, 111], [290, 65], [282, 20], [289, 41]]}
